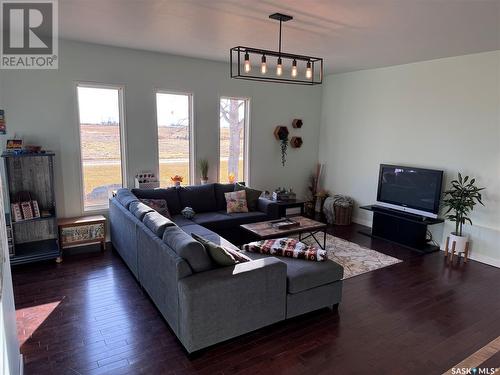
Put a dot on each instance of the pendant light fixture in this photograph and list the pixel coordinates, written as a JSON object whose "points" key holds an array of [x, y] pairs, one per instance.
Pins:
{"points": [[241, 67], [247, 62]]}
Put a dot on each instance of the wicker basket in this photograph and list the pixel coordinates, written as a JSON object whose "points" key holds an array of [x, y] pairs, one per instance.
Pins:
{"points": [[343, 215]]}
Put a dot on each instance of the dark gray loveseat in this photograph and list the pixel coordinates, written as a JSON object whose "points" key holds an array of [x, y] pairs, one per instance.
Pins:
{"points": [[202, 303]]}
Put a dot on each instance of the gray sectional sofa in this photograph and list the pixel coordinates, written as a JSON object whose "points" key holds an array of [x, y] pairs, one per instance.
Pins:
{"points": [[205, 304]]}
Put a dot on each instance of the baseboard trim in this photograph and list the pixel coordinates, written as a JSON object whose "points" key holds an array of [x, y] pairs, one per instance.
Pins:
{"points": [[365, 222], [474, 256]]}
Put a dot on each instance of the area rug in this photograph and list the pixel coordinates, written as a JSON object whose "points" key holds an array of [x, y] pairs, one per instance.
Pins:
{"points": [[355, 259]]}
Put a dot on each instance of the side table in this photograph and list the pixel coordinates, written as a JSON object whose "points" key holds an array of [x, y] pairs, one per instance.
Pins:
{"points": [[285, 205]]}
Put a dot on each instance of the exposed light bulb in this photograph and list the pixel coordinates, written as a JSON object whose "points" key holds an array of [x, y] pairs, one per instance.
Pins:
{"points": [[263, 65], [309, 70], [294, 68], [247, 62], [279, 67]]}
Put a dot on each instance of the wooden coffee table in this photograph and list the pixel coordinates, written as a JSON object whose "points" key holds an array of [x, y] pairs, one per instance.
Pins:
{"points": [[264, 229]]}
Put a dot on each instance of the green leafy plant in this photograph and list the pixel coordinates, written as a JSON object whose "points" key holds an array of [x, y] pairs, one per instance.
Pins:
{"points": [[203, 165], [284, 147], [460, 200]]}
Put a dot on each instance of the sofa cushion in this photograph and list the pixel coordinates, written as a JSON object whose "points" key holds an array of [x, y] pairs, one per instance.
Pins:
{"points": [[220, 190], [303, 274], [187, 248], [222, 220], [197, 229], [240, 218], [181, 221], [210, 219], [156, 222], [170, 195], [253, 196], [201, 198], [139, 209], [125, 197]]}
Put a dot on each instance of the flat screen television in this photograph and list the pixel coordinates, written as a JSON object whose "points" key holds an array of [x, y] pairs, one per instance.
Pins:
{"points": [[409, 189]]}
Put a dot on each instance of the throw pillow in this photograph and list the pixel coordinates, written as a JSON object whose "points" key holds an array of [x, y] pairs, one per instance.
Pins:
{"points": [[159, 205], [253, 196], [236, 201], [221, 255], [287, 247], [188, 213]]}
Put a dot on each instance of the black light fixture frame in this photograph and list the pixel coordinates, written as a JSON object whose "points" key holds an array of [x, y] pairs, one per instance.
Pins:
{"points": [[235, 60]]}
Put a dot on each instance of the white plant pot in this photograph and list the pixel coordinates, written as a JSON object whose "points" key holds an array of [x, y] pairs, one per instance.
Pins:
{"points": [[460, 242], [204, 182]]}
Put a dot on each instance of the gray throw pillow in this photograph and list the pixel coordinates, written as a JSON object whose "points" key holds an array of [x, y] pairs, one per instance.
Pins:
{"points": [[253, 196], [222, 256]]}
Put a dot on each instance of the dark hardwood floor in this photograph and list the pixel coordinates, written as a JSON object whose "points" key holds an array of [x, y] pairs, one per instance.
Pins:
{"points": [[88, 315]]}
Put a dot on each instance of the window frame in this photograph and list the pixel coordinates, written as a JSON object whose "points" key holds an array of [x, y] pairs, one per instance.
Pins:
{"points": [[123, 139], [246, 137], [192, 148]]}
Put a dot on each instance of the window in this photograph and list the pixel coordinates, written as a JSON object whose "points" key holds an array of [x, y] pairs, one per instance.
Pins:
{"points": [[173, 115], [101, 143], [233, 129]]}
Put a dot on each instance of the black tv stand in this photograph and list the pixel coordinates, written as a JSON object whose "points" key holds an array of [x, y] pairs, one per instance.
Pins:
{"points": [[403, 228]]}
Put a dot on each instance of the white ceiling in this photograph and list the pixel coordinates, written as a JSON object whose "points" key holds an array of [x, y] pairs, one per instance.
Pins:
{"points": [[349, 34]]}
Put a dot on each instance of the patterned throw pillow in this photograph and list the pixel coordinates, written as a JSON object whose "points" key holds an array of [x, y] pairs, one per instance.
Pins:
{"points": [[236, 201], [253, 196], [287, 247], [159, 205]]}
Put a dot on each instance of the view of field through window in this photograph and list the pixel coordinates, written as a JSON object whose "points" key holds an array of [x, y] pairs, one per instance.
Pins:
{"points": [[99, 110], [232, 121], [173, 113]]}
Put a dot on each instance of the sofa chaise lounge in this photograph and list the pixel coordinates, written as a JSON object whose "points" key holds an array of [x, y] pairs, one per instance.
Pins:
{"points": [[205, 304]]}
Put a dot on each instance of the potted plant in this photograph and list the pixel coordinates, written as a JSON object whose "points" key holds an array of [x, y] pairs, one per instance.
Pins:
{"points": [[459, 202], [203, 165], [281, 134]]}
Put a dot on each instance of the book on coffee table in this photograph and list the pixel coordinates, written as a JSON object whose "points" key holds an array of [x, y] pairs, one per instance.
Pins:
{"points": [[284, 223]]}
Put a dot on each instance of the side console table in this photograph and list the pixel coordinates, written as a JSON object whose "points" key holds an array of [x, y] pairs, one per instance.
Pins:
{"points": [[402, 228], [80, 231]]}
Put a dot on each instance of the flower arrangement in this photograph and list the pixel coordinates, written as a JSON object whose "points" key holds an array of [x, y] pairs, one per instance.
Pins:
{"points": [[231, 177], [176, 179]]}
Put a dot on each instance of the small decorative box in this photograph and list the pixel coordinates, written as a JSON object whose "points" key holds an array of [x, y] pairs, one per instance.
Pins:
{"points": [[146, 180]]}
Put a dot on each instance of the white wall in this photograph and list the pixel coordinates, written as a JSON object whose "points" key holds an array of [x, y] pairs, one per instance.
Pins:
{"points": [[10, 357], [441, 114], [40, 106]]}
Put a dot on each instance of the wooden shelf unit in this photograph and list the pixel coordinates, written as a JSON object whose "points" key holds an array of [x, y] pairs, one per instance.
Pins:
{"points": [[34, 239]]}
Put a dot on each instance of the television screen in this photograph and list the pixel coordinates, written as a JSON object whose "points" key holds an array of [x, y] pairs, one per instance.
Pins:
{"points": [[415, 188]]}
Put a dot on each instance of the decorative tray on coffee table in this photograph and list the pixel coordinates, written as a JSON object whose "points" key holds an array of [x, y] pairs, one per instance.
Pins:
{"points": [[285, 223]]}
